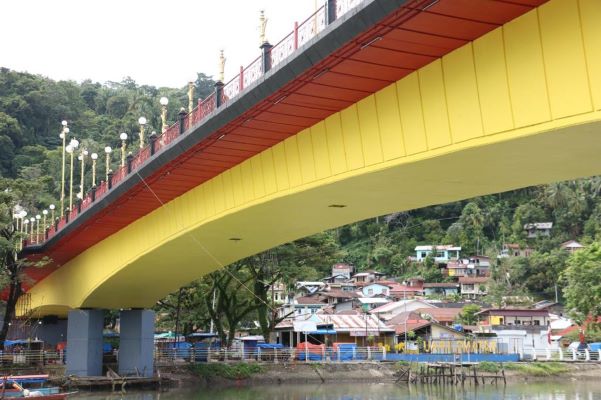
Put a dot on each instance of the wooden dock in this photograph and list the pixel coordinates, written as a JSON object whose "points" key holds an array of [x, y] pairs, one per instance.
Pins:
{"points": [[114, 383], [449, 374]]}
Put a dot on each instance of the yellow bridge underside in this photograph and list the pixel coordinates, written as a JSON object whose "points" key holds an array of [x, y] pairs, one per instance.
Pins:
{"points": [[520, 106]]}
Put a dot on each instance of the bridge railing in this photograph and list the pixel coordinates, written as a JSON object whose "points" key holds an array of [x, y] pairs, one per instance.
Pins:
{"points": [[271, 57]]}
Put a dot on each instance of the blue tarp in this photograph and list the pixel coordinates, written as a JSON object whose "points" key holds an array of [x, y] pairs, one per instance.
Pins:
{"points": [[346, 351], [270, 346], [595, 346]]}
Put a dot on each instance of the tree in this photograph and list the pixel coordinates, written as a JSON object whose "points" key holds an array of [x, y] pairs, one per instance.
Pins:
{"points": [[583, 279], [467, 316], [234, 300]]}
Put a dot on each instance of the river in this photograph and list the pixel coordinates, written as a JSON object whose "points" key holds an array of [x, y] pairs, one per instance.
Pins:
{"points": [[521, 391]]}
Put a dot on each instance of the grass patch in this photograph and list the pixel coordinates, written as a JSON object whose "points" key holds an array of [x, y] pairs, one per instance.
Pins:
{"points": [[488, 366], [227, 371], [538, 368]]}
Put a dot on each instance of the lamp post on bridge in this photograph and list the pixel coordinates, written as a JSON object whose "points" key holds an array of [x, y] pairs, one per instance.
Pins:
{"points": [[94, 157], [63, 136], [25, 227], [82, 158], [52, 207], [44, 214], [71, 147], [108, 150], [37, 228], [123, 137], [142, 121], [164, 101], [23, 214]]}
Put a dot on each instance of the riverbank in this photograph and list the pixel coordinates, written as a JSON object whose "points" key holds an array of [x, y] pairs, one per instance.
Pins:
{"points": [[211, 375]]}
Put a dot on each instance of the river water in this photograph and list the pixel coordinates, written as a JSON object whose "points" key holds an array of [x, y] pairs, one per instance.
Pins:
{"points": [[534, 391]]}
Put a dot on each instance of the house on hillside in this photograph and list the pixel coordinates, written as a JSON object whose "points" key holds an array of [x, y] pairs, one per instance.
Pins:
{"points": [[407, 290], [514, 250], [390, 310], [308, 287], [342, 269], [279, 293], [306, 305], [538, 229], [368, 276], [441, 289], [472, 266], [442, 316], [513, 316], [571, 246], [335, 296], [376, 289], [441, 253], [473, 287]]}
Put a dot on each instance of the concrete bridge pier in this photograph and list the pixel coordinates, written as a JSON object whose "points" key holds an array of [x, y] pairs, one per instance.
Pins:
{"points": [[84, 342], [136, 343]]}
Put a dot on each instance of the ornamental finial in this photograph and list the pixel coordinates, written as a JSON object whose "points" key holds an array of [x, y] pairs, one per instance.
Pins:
{"points": [[221, 66], [262, 27]]}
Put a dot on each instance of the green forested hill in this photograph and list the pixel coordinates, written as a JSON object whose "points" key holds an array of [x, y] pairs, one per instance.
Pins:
{"points": [[32, 107]]}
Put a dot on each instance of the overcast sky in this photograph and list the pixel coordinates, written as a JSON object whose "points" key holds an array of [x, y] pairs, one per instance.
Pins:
{"points": [[160, 43]]}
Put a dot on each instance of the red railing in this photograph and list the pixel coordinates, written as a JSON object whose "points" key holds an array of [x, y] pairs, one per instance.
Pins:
{"points": [[301, 34]]}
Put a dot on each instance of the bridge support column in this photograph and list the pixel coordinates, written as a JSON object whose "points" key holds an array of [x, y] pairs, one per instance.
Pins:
{"points": [[84, 342], [136, 345]]}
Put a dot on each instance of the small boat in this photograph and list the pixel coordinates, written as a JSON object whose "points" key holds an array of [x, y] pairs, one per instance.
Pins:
{"points": [[12, 389]]}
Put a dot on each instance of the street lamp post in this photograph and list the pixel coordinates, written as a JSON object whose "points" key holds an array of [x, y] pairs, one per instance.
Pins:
{"points": [[164, 101], [108, 150], [45, 214], [32, 223], [71, 147], [23, 220], [25, 227], [142, 122], [37, 228], [63, 136], [94, 157], [123, 137], [82, 158], [52, 207]]}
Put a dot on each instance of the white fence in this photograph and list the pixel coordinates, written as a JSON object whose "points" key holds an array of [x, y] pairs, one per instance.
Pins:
{"points": [[561, 355]]}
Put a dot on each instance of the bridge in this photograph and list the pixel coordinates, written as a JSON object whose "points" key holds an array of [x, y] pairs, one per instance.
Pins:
{"points": [[367, 108]]}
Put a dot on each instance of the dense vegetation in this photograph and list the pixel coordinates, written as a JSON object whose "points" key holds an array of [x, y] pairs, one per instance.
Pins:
{"points": [[31, 108]]}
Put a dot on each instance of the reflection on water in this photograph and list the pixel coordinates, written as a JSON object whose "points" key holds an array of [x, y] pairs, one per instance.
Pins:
{"points": [[534, 391]]}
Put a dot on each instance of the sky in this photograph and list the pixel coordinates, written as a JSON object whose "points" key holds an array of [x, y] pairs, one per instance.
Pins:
{"points": [[159, 43]]}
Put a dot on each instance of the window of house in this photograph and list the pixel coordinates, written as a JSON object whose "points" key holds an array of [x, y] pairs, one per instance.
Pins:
{"points": [[536, 322], [517, 322], [424, 254]]}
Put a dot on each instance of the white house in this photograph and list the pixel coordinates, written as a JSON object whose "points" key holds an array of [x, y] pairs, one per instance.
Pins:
{"points": [[441, 253], [538, 229], [375, 289]]}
